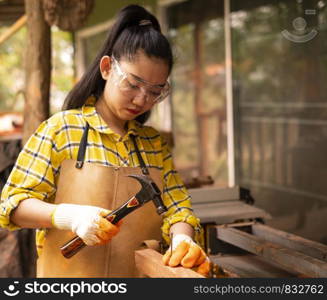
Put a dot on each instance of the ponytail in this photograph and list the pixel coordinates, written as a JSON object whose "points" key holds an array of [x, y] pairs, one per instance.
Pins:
{"points": [[134, 29]]}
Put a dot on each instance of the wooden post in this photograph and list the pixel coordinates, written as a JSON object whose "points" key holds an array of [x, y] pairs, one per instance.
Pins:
{"points": [[201, 118], [38, 68]]}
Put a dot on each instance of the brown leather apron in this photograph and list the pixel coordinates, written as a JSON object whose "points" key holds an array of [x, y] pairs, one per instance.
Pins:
{"points": [[106, 187]]}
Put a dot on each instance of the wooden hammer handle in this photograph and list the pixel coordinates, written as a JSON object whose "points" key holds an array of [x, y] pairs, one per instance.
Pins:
{"points": [[73, 246]]}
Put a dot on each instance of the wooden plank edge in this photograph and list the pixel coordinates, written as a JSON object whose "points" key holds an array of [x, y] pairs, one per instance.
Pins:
{"points": [[149, 263]]}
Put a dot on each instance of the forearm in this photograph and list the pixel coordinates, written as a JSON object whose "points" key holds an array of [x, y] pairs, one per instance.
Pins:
{"points": [[33, 213], [183, 228]]}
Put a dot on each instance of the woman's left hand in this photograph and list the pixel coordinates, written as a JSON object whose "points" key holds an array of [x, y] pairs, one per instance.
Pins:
{"points": [[187, 253]]}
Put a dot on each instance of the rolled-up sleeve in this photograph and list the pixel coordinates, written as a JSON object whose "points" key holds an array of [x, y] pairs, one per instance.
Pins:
{"points": [[177, 199], [32, 175]]}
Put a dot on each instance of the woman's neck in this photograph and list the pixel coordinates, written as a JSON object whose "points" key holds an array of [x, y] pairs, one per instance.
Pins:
{"points": [[115, 124]]}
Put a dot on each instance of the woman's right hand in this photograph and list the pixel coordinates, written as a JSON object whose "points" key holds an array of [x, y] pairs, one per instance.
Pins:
{"points": [[86, 221]]}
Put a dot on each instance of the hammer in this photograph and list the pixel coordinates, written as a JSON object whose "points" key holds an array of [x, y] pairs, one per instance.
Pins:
{"points": [[149, 191]]}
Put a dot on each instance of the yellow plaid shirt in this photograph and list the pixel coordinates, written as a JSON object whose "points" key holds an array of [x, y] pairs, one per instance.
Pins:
{"points": [[36, 172]]}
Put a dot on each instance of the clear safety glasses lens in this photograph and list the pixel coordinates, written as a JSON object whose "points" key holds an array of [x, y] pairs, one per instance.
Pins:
{"points": [[130, 86]]}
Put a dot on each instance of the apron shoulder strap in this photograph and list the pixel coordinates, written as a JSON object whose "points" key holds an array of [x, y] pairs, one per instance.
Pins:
{"points": [[82, 148], [144, 169]]}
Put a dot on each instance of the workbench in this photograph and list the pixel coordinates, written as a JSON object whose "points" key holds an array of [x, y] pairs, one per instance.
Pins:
{"points": [[237, 239], [239, 244]]}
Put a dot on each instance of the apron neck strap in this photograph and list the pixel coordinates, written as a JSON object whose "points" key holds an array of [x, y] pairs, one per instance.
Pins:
{"points": [[82, 148], [144, 169]]}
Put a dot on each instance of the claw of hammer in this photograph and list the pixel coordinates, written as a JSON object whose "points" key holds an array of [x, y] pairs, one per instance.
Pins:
{"points": [[149, 191]]}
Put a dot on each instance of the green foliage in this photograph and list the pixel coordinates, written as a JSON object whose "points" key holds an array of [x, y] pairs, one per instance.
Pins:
{"points": [[12, 70], [62, 77]]}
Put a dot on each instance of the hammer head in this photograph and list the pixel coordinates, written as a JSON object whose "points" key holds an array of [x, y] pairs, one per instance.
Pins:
{"points": [[149, 191]]}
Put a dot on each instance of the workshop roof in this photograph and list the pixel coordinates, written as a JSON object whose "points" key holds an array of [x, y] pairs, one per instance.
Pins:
{"points": [[11, 11]]}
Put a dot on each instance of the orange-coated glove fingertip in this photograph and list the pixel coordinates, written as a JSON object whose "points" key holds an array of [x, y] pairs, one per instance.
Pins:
{"points": [[204, 268], [103, 242], [202, 257], [103, 237], [105, 225], [178, 254], [191, 257], [114, 230], [166, 257], [104, 212]]}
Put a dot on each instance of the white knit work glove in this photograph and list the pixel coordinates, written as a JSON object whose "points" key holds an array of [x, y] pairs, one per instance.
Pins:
{"points": [[86, 221], [184, 251]]}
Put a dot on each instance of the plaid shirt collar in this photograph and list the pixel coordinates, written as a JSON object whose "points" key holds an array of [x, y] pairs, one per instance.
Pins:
{"points": [[95, 120]]}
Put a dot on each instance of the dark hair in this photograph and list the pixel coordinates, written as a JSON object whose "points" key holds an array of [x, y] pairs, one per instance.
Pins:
{"points": [[125, 38]]}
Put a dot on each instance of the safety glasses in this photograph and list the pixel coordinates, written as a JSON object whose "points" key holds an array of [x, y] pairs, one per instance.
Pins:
{"points": [[133, 86]]}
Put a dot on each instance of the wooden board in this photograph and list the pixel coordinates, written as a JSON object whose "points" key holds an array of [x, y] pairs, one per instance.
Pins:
{"points": [[149, 263], [287, 259]]}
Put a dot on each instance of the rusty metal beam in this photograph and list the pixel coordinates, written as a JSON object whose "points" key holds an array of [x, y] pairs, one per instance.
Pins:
{"points": [[286, 258], [292, 241]]}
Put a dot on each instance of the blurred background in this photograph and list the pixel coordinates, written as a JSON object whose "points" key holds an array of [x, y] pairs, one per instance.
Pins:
{"points": [[249, 100]]}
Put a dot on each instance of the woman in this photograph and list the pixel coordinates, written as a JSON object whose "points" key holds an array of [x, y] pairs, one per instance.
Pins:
{"points": [[74, 168]]}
